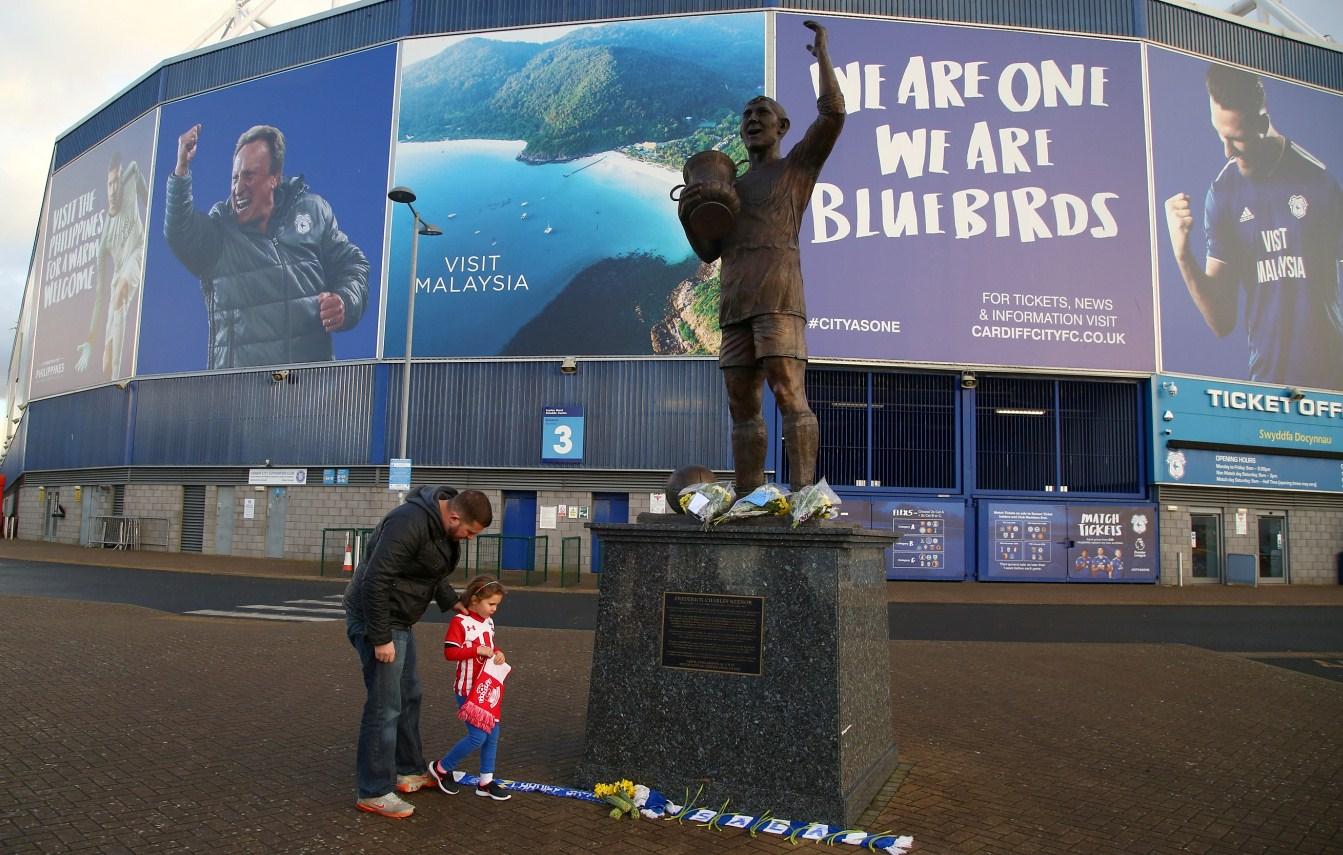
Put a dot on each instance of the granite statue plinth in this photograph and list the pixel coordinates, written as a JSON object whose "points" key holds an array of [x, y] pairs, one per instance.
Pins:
{"points": [[810, 737]]}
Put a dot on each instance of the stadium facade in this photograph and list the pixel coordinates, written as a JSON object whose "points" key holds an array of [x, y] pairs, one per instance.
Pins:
{"points": [[1006, 362]]}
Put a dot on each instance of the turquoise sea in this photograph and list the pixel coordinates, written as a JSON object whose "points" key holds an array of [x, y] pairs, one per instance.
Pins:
{"points": [[495, 267]]}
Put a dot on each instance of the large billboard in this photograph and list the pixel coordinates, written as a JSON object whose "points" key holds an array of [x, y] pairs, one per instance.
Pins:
{"points": [[547, 157], [986, 202], [91, 263], [1247, 194], [262, 260]]}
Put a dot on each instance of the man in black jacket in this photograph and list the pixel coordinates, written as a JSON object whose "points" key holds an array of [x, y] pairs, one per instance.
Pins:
{"points": [[278, 274], [405, 565]]}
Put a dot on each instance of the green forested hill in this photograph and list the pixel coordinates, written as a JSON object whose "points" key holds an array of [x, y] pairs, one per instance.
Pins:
{"points": [[444, 94], [593, 90]]}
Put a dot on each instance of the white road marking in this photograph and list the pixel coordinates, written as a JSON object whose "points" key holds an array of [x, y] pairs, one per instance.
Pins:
{"points": [[257, 615]]}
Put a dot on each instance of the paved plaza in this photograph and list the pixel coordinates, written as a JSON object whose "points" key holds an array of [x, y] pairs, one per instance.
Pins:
{"points": [[136, 731]]}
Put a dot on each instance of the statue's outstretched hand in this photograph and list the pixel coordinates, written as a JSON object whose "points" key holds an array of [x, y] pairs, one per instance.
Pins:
{"points": [[821, 46]]}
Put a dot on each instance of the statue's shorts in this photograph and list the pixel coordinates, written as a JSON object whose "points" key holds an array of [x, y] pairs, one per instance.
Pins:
{"points": [[748, 342]]}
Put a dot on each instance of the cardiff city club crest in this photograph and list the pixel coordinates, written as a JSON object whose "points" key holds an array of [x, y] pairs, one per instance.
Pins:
{"points": [[1138, 522], [1175, 462], [1297, 205], [303, 223]]}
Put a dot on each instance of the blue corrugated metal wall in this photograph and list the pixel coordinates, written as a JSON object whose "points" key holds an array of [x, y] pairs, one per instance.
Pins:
{"points": [[639, 414], [348, 31], [78, 431], [1216, 37], [1105, 17], [653, 414], [314, 417], [447, 16], [132, 104], [378, 23], [13, 465]]}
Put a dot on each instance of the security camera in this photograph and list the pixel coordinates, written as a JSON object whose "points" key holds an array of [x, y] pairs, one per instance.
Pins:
{"points": [[1296, 394], [569, 365], [969, 380], [279, 376]]}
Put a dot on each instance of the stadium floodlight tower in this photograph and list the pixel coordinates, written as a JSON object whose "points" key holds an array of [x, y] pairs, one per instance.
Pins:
{"points": [[1276, 12]]}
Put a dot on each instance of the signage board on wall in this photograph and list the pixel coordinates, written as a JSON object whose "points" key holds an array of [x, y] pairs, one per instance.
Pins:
{"points": [[277, 477], [398, 474], [1112, 543], [1252, 470], [1261, 436], [932, 538], [1023, 542], [1075, 542], [562, 435]]}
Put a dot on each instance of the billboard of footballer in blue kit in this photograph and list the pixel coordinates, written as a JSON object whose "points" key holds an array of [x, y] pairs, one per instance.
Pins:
{"points": [[986, 202], [267, 228], [1246, 171]]}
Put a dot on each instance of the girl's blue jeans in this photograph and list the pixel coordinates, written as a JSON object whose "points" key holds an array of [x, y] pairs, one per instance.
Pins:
{"points": [[475, 738]]}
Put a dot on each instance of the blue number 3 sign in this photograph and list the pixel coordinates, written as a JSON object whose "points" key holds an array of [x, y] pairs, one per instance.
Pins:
{"points": [[562, 435]]}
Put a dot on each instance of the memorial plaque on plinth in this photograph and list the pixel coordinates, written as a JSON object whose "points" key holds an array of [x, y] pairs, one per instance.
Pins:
{"points": [[751, 660]]}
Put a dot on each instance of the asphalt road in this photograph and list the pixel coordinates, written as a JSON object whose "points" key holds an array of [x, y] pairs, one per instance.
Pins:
{"points": [[1258, 629]]}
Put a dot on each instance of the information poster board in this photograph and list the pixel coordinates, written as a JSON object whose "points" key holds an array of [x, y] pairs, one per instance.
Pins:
{"points": [[1023, 542], [932, 538], [1112, 543]]}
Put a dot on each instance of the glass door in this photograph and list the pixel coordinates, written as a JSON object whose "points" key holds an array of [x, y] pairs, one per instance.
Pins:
{"points": [[1272, 548], [1205, 535]]}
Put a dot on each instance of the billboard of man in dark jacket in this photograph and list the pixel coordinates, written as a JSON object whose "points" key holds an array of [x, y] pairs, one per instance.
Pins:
{"points": [[278, 274]]}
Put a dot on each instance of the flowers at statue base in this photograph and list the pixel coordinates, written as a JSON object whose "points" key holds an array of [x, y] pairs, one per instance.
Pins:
{"points": [[620, 795]]}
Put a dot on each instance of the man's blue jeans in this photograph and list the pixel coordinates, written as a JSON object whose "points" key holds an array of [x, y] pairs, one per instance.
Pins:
{"points": [[389, 733]]}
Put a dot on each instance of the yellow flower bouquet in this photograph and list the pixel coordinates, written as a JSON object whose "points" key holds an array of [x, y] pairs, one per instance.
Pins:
{"points": [[621, 796]]}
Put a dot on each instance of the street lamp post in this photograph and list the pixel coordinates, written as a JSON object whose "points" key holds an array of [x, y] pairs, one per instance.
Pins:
{"points": [[406, 196]]}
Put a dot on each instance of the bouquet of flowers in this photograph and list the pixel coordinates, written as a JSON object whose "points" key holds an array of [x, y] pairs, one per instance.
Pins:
{"points": [[621, 795], [815, 500], [706, 501], [767, 499]]}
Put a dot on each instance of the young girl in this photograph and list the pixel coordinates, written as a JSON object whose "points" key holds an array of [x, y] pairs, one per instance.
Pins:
{"points": [[470, 643]]}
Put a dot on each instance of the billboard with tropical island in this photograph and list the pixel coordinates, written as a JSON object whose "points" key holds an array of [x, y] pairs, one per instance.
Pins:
{"points": [[547, 157]]}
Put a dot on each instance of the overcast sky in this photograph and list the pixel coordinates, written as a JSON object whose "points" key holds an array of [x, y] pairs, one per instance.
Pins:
{"points": [[62, 59]]}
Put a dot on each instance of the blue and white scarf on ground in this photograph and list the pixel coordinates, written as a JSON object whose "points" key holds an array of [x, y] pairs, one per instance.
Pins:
{"points": [[655, 805]]}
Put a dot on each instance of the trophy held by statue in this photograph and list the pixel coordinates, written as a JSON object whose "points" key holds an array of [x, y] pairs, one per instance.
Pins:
{"points": [[713, 214]]}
